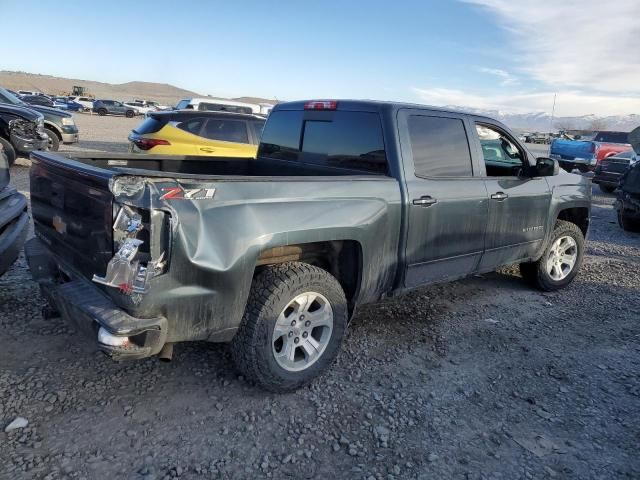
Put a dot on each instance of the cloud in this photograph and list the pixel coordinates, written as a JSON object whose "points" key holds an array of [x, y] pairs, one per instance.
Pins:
{"points": [[586, 44], [507, 78], [568, 103]]}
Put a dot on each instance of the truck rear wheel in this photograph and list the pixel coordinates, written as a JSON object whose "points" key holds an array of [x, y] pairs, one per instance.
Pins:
{"points": [[560, 261], [292, 328], [607, 188]]}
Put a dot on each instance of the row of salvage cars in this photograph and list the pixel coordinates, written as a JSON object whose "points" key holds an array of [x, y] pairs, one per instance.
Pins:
{"points": [[621, 173]]}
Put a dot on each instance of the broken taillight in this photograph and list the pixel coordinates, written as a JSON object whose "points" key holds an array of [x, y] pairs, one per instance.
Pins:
{"points": [[133, 265]]}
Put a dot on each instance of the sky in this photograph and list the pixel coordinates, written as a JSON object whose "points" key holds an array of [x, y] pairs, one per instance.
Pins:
{"points": [[507, 55]]}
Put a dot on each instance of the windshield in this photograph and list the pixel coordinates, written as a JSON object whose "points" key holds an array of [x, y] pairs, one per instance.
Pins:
{"points": [[7, 97]]}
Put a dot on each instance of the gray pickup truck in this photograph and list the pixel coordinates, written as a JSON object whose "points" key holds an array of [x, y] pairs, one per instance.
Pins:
{"points": [[348, 202]]}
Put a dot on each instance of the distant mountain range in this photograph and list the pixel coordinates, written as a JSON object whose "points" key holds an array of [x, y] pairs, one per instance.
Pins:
{"points": [[541, 122], [159, 92]]}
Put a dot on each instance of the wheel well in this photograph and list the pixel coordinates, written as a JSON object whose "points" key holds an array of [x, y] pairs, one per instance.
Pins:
{"points": [[54, 127], [341, 258], [577, 215]]}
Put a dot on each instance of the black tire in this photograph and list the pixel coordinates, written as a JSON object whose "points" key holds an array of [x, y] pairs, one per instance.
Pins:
{"points": [[607, 188], [54, 141], [271, 292], [102, 112], [536, 274], [627, 224], [9, 151], [129, 114]]}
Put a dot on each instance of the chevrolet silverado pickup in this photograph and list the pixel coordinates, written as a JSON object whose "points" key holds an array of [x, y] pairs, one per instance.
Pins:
{"points": [[347, 203], [585, 154]]}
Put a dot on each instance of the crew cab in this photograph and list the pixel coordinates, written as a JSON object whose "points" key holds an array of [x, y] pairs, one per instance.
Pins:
{"points": [[347, 203], [585, 154]]}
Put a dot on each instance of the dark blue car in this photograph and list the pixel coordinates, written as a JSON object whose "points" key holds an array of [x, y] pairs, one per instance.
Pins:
{"points": [[65, 104]]}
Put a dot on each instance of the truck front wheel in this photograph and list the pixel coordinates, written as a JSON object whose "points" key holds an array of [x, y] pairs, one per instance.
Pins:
{"points": [[560, 261], [292, 328]]}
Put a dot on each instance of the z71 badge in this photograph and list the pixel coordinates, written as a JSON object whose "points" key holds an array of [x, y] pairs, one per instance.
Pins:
{"points": [[179, 193]]}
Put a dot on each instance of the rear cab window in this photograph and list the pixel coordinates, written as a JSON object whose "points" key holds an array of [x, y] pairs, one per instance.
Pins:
{"points": [[343, 139]]}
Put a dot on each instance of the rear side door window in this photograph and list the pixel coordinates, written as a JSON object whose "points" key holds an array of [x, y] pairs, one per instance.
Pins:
{"points": [[226, 130], [439, 146]]}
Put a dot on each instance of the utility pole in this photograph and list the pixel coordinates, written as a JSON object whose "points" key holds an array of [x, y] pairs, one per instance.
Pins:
{"points": [[553, 113]]}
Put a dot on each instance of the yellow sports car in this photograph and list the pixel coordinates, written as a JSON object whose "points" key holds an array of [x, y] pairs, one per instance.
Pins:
{"points": [[189, 132]]}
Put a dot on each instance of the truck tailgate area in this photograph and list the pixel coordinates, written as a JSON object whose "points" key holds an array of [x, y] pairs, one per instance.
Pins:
{"points": [[72, 215]]}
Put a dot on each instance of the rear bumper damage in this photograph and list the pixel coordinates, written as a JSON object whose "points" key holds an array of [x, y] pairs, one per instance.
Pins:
{"points": [[82, 304]]}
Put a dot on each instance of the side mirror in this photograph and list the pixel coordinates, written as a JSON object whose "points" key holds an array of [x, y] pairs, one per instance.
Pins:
{"points": [[547, 167]]}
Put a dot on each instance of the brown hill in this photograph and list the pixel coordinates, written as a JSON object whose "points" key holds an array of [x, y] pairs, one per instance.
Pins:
{"points": [[160, 92]]}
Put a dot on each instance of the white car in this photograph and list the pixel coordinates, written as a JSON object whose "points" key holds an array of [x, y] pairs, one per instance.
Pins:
{"points": [[141, 107], [86, 102]]}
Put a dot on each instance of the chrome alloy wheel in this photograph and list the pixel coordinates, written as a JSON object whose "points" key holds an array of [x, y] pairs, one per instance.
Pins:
{"points": [[562, 257], [302, 331]]}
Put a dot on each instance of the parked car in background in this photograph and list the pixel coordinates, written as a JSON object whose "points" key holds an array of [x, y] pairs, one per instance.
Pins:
{"points": [[21, 129], [39, 100], [14, 218], [113, 107], [584, 154], [188, 132], [86, 102], [29, 92], [65, 104], [140, 107], [347, 203], [220, 105], [537, 138], [156, 106], [609, 171], [58, 124], [628, 201]]}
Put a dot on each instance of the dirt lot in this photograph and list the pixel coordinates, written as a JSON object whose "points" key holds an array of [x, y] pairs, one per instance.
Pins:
{"points": [[478, 379]]}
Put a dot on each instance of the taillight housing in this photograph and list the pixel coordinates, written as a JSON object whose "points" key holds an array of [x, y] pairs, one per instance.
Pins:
{"points": [[148, 143], [321, 105]]}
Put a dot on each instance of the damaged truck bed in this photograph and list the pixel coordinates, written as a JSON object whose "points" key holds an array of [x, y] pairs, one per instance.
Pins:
{"points": [[275, 253]]}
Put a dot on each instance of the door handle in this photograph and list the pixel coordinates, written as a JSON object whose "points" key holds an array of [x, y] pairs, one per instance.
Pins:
{"points": [[207, 149], [499, 196], [425, 201]]}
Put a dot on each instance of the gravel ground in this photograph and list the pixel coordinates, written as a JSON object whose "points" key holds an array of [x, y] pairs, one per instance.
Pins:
{"points": [[478, 379]]}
